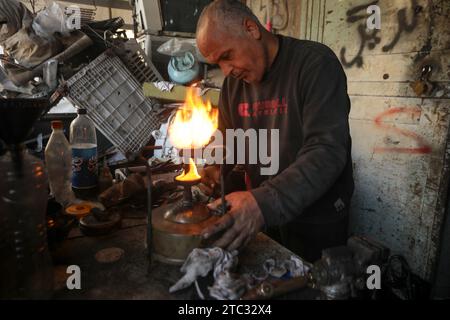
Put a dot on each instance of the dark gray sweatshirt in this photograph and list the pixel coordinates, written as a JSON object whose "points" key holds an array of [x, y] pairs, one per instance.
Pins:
{"points": [[304, 95]]}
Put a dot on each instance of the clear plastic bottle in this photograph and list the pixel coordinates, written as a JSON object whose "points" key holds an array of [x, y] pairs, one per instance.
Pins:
{"points": [[58, 159], [84, 154], [26, 270]]}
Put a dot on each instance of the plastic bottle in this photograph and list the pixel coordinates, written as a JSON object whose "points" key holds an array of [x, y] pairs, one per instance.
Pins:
{"points": [[26, 270], [84, 155], [58, 159]]}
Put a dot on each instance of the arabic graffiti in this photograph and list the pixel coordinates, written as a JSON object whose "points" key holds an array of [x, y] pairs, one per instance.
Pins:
{"points": [[403, 25], [372, 41], [370, 38]]}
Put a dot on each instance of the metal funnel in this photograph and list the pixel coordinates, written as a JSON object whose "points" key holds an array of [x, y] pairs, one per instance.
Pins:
{"points": [[17, 117]]}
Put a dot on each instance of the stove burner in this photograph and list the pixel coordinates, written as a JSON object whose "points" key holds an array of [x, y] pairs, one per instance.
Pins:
{"points": [[176, 226]]}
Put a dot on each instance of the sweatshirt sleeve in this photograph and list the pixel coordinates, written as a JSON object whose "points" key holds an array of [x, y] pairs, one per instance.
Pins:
{"points": [[224, 121], [318, 164]]}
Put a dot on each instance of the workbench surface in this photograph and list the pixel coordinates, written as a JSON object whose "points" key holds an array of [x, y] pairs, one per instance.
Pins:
{"points": [[129, 277]]}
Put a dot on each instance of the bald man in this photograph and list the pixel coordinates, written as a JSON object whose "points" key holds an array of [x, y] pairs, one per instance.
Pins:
{"points": [[296, 87]]}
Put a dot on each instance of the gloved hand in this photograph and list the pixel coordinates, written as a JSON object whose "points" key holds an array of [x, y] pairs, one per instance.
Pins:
{"points": [[241, 224]]}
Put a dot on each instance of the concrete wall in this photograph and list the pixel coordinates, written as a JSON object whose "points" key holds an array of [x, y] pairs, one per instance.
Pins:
{"points": [[400, 140]]}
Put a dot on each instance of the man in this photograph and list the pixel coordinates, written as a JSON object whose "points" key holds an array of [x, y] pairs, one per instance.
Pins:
{"points": [[307, 202]]}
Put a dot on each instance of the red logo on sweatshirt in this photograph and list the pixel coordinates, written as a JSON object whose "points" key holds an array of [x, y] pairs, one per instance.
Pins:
{"points": [[244, 109], [263, 108]]}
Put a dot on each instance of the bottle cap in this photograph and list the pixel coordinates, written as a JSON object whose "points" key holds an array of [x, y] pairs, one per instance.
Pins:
{"points": [[81, 111], [57, 124]]}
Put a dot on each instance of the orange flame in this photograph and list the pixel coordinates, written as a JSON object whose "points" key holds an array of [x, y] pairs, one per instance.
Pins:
{"points": [[192, 173], [194, 123], [192, 127]]}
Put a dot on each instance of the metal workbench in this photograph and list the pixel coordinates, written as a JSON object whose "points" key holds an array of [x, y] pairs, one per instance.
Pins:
{"points": [[130, 277]]}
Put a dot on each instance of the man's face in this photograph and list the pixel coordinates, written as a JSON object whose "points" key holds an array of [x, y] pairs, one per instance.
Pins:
{"points": [[240, 56]]}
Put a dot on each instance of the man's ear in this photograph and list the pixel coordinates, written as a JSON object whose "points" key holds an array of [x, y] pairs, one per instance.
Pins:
{"points": [[252, 28]]}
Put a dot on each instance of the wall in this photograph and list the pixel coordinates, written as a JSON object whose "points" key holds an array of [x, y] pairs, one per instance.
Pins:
{"points": [[400, 140], [284, 15]]}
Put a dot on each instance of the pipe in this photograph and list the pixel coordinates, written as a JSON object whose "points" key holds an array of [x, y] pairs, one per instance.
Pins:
{"points": [[271, 289], [149, 213], [78, 46], [222, 189]]}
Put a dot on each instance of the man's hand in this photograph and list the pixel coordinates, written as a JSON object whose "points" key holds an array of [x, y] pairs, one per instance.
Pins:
{"points": [[242, 223], [210, 179]]}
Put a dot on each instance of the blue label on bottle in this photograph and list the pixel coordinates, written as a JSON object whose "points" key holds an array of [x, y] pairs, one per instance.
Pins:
{"points": [[84, 167]]}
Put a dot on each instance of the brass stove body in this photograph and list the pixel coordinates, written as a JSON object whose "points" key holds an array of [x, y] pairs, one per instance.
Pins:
{"points": [[176, 227]]}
